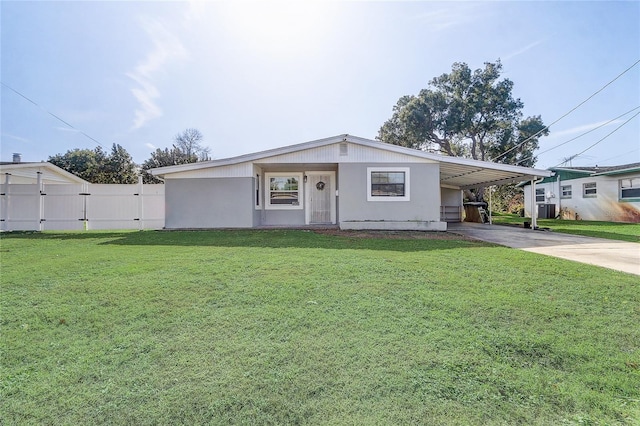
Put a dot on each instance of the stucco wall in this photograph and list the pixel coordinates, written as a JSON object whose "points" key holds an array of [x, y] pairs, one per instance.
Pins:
{"points": [[424, 203], [209, 203]]}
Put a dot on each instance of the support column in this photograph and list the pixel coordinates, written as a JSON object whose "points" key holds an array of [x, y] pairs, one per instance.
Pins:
{"points": [[534, 221]]}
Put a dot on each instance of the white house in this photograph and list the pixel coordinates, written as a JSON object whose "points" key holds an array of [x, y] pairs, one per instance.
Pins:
{"points": [[17, 172], [343, 180], [588, 193]]}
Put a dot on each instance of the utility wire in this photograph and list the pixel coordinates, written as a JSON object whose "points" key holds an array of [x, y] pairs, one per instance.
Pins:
{"points": [[50, 113], [620, 155], [597, 142], [579, 136], [570, 111]]}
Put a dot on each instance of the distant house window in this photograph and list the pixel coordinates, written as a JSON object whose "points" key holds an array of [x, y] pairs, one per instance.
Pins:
{"points": [[284, 191], [565, 191], [630, 188], [589, 190], [539, 195], [388, 184]]}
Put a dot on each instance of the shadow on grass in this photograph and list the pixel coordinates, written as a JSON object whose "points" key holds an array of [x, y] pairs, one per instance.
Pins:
{"points": [[395, 241]]}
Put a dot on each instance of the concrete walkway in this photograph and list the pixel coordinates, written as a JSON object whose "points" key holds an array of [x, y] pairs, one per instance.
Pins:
{"points": [[618, 255]]}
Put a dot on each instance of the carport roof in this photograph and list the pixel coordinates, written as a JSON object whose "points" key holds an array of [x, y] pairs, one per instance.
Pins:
{"points": [[455, 172]]}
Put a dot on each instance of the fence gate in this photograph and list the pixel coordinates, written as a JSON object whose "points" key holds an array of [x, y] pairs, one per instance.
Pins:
{"points": [[39, 207]]}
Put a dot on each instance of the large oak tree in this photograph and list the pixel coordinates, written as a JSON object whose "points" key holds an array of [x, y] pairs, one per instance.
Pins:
{"points": [[466, 113]]}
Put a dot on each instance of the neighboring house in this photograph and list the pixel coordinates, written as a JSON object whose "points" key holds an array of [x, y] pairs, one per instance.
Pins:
{"points": [[344, 180], [588, 193], [19, 173]]}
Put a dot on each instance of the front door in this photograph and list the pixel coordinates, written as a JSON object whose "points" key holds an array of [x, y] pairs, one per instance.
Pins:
{"points": [[320, 198]]}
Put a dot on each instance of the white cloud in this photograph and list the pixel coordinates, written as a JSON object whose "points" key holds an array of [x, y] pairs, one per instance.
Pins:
{"points": [[18, 138], [150, 146], [453, 14], [584, 128], [166, 49], [523, 49]]}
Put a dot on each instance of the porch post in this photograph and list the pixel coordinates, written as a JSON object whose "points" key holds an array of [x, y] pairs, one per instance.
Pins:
{"points": [[534, 222]]}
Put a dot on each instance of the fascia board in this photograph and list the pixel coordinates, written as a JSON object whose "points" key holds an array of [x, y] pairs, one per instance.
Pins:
{"points": [[247, 157]]}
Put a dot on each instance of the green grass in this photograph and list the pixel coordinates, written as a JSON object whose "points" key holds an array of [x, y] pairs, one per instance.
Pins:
{"points": [[609, 230], [294, 327]]}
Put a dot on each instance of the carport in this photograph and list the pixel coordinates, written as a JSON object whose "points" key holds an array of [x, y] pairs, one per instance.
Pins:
{"points": [[461, 173]]}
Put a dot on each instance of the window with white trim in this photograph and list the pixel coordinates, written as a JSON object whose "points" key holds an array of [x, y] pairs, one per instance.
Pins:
{"points": [[388, 184], [565, 191], [539, 195], [283, 191], [589, 190], [630, 188]]}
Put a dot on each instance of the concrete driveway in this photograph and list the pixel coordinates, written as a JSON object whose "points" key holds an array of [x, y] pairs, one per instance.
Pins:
{"points": [[618, 255]]}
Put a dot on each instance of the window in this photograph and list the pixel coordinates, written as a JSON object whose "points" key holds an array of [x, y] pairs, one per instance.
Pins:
{"points": [[539, 195], [388, 184], [284, 191], [630, 188], [565, 191], [589, 190]]}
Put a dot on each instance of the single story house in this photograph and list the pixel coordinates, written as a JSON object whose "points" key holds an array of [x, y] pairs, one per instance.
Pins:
{"points": [[344, 180], [18, 172], [609, 193]]}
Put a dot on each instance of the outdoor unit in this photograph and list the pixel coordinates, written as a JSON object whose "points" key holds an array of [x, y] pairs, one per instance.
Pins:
{"points": [[546, 211]]}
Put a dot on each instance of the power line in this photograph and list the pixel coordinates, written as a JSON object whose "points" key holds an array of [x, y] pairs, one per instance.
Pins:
{"points": [[597, 142], [570, 111], [620, 155], [50, 113], [579, 136]]}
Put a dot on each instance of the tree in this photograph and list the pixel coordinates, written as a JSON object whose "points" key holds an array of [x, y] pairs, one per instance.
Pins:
{"points": [[467, 114], [188, 142], [96, 166], [186, 149]]}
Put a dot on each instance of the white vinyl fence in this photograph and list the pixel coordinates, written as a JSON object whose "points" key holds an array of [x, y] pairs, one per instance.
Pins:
{"points": [[42, 207]]}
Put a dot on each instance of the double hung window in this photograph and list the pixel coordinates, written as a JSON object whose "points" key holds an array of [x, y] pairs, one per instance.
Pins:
{"points": [[388, 184], [283, 191], [630, 188]]}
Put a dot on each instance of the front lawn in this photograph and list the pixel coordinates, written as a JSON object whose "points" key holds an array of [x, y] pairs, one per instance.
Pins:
{"points": [[609, 230], [298, 327]]}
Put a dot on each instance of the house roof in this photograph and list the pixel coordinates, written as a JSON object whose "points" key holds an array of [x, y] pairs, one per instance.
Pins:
{"points": [[29, 170], [600, 170], [454, 171]]}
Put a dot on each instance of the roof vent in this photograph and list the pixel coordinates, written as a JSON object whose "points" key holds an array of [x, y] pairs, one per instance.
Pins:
{"points": [[17, 157], [344, 148]]}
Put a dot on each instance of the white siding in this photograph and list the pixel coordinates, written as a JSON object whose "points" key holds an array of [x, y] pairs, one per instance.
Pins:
{"points": [[331, 154], [234, 170], [605, 206]]}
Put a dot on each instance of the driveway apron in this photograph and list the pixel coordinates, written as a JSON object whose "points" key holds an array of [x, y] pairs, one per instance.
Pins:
{"points": [[619, 255]]}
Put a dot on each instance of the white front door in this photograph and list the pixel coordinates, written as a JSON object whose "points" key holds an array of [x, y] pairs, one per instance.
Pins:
{"points": [[321, 198]]}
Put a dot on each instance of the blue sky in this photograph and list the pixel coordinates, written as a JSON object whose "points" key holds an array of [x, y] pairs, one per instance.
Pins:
{"points": [[253, 76]]}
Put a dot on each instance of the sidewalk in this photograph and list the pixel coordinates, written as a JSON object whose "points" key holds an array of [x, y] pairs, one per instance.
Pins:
{"points": [[619, 255]]}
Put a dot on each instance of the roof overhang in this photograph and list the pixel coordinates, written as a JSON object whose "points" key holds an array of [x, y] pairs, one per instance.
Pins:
{"points": [[30, 170], [455, 172]]}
